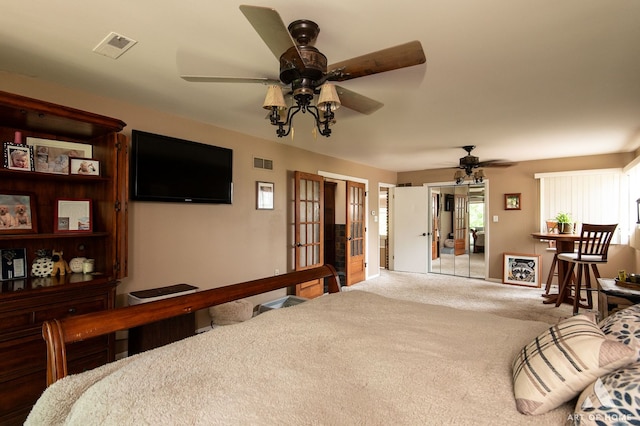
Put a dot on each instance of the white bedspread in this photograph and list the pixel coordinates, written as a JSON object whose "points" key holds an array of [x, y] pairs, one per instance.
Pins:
{"points": [[343, 359]]}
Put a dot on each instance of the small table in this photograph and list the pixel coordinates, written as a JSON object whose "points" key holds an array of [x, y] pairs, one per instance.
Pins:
{"points": [[611, 294], [565, 243]]}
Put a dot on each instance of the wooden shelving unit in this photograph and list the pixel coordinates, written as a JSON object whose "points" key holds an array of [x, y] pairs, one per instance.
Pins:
{"points": [[26, 303]]}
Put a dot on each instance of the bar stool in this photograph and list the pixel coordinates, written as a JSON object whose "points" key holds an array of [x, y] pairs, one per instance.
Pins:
{"points": [[593, 247]]}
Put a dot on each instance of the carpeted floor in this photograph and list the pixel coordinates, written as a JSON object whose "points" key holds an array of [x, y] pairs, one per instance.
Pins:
{"points": [[464, 293]]}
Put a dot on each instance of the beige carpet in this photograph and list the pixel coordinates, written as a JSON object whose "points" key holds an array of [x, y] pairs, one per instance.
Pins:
{"points": [[465, 293]]}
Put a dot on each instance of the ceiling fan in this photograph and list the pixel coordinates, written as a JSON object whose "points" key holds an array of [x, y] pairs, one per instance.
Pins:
{"points": [[304, 71], [470, 162]]}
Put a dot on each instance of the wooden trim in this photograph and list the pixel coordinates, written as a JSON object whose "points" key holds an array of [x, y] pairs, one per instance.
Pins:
{"points": [[57, 333]]}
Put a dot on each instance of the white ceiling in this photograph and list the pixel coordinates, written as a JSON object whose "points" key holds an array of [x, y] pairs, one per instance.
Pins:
{"points": [[520, 79]]}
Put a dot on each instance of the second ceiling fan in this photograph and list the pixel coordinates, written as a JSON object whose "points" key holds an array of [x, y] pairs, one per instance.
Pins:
{"points": [[304, 72]]}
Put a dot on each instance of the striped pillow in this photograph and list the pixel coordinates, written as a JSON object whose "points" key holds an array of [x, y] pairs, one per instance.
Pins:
{"points": [[561, 362]]}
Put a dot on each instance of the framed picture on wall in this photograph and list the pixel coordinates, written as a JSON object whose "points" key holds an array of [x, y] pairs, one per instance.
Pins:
{"points": [[512, 201], [522, 269], [264, 195]]}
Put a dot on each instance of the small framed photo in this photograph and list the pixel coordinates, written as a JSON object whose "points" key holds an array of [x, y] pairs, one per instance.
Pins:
{"points": [[512, 201], [17, 213], [14, 264], [264, 195], [73, 215], [18, 157], [522, 269], [84, 166], [53, 156]]}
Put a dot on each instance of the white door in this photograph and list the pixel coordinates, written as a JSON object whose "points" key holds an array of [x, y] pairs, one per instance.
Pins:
{"points": [[410, 223]]}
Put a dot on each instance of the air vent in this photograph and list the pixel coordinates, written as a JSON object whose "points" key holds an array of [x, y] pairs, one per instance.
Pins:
{"points": [[114, 45], [262, 163]]}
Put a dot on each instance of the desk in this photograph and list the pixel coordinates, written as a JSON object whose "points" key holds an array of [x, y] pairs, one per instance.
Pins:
{"points": [[611, 294], [565, 243]]}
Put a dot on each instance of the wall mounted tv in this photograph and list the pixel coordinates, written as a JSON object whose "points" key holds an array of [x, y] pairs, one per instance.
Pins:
{"points": [[169, 169]]}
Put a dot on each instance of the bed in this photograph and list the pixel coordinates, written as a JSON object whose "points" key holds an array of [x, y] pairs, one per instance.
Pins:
{"points": [[344, 358]]}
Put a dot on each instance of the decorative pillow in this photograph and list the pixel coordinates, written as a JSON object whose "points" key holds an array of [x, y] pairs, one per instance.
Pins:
{"points": [[624, 326], [612, 399], [562, 361]]}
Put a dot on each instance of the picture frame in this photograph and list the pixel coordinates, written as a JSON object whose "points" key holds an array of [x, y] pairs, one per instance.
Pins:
{"points": [[522, 269], [17, 213], [264, 195], [84, 166], [73, 215], [51, 156], [13, 264], [18, 157], [512, 201]]}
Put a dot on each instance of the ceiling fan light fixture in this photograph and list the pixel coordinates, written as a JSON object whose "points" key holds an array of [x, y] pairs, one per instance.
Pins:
{"points": [[476, 177], [328, 98], [274, 98]]}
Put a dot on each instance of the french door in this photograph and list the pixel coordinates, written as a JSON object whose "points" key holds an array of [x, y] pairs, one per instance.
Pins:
{"points": [[309, 229], [356, 233]]}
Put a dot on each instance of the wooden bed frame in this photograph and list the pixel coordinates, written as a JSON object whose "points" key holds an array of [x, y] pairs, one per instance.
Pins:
{"points": [[57, 333]]}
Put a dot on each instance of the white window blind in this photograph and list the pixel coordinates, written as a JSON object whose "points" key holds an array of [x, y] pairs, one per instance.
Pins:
{"points": [[633, 174], [589, 196]]}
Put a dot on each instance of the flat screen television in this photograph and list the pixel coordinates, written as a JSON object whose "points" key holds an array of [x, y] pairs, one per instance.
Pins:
{"points": [[169, 169]]}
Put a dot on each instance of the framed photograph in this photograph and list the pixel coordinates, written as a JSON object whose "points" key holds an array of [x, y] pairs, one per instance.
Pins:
{"points": [[73, 215], [18, 157], [512, 201], [522, 269], [52, 156], [17, 213], [14, 264], [84, 166], [264, 194]]}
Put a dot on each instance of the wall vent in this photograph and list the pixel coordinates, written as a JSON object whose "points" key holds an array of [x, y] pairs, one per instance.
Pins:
{"points": [[262, 163], [114, 45]]}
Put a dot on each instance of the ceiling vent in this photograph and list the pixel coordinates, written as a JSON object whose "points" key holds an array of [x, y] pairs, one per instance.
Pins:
{"points": [[114, 45], [262, 163]]}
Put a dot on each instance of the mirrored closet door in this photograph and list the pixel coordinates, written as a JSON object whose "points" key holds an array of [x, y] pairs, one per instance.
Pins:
{"points": [[458, 224]]}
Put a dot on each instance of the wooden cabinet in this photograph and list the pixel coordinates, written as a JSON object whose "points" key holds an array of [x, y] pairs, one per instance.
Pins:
{"points": [[26, 303]]}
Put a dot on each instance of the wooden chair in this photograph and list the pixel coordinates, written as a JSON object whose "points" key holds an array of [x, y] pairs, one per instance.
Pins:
{"points": [[593, 247]]}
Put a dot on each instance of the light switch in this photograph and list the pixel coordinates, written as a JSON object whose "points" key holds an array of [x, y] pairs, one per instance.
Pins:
{"points": [[495, 218]]}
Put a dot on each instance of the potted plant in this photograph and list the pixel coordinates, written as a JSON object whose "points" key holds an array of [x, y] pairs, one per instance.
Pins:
{"points": [[565, 223]]}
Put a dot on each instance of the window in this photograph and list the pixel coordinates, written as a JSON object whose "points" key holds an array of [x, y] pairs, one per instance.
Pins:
{"points": [[589, 196]]}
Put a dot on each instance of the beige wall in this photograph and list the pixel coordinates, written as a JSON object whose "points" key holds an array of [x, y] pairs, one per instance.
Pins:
{"points": [[512, 231], [210, 245], [213, 245]]}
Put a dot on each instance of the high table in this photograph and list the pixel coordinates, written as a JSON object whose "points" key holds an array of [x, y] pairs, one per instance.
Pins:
{"points": [[565, 243]]}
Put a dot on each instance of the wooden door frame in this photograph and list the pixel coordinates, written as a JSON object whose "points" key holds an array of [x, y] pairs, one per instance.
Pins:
{"points": [[336, 176]]}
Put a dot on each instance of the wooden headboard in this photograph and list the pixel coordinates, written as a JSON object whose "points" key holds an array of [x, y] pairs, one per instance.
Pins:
{"points": [[57, 333]]}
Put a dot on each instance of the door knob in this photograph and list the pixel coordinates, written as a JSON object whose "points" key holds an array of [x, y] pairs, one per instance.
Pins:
{"points": [[424, 234]]}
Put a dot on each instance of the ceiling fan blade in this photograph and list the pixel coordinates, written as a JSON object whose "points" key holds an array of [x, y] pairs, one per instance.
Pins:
{"points": [[213, 79], [270, 27], [357, 102], [401, 56], [496, 163]]}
